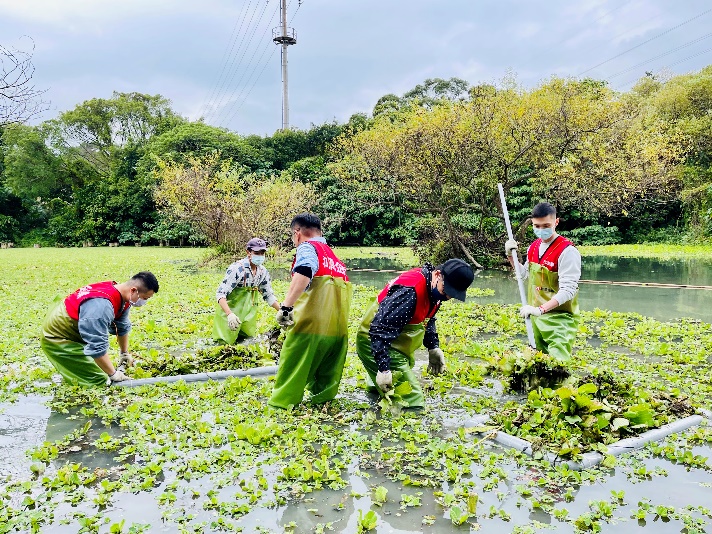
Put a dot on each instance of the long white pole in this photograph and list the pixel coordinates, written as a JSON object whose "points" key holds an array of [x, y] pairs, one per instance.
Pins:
{"points": [[520, 281]]}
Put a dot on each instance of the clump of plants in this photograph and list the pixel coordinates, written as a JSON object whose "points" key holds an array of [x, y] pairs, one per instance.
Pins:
{"points": [[526, 370], [219, 358], [588, 413]]}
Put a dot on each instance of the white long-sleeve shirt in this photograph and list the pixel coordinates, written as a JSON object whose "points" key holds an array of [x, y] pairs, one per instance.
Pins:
{"points": [[569, 271]]}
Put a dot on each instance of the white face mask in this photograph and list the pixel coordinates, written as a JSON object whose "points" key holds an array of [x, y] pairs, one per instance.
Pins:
{"points": [[257, 260], [139, 302]]}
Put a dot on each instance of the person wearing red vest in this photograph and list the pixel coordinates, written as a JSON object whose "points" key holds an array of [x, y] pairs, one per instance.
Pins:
{"points": [[316, 313], [75, 334], [402, 318], [552, 270]]}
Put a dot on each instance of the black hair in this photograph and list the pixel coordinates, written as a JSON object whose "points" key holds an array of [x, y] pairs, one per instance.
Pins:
{"points": [[306, 220], [543, 209], [147, 280]]}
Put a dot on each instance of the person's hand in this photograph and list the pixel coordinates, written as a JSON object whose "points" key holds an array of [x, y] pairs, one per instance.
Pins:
{"points": [[285, 316], [436, 361], [384, 380], [233, 321], [126, 360], [528, 310], [509, 246], [118, 376]]}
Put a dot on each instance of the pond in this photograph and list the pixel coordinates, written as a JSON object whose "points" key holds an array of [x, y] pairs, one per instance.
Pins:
{"points": [[660, 303], [645, 492]]}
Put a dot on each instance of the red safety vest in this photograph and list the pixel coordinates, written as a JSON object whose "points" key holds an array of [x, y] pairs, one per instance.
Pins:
{"points": [[329, 264], [100, 290], [550, 258], [415, 279]]}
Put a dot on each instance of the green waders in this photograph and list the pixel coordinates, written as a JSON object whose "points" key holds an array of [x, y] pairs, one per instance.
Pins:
{"points": [[401, 351], [242, 301], [554, 331], [314, 349], [64, 347]]}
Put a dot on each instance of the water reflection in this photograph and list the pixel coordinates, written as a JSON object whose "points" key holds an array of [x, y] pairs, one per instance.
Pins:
{"points": [[664, 304]]}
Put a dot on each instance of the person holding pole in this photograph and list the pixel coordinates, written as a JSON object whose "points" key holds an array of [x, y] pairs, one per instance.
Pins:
{"points": [[552, 270], [75, 334]]}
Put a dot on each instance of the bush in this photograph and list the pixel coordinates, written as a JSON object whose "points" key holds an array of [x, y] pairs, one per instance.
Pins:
{"points": [[595, 235]]}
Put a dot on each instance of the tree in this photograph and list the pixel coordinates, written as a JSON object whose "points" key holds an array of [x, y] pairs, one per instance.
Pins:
{"points": [[98, 128], [229, 205], [574, 140], [20, 100]]}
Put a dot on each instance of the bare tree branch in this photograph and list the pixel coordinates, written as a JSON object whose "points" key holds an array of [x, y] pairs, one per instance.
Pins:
{"points": [[20, 100]]}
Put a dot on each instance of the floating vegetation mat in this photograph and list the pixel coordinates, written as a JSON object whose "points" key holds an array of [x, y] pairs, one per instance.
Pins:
{"points": [[219, 358]]}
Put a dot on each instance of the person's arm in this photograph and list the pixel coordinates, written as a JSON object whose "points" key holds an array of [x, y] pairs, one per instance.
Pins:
{"points": [[297, 286], [431, 339], [394, 312], [95, 319], [569, 276], [265, 287], [305, 267]]}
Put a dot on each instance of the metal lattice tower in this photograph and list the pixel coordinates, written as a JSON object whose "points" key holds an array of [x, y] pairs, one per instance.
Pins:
{"points": [[284, 36]]}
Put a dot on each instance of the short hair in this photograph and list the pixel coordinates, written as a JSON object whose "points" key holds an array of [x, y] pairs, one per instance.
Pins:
{"points": [[543, 209], [147, 280], [306, 220]]}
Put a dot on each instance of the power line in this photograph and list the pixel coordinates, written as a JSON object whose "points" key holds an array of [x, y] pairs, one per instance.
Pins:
{"points": [[646, 42], [238, 85], [229, 118], [231, 71], [659, 71], [689, 43], [555, 45], [226, 54]]}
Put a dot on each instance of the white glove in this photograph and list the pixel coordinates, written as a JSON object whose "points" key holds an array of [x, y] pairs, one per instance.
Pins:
{"points": [[384, 380], [509, 246], [126, 360], [233, 321], [436, 361], [285, 316], [118, 376], [528, 310]]}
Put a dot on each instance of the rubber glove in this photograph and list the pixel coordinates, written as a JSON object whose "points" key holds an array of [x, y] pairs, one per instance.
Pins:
{"points": [[118, 376], [436, 361], [126, 360], [509, 246], [233, 321], [285, 316], [384, 380], [528, 310]]}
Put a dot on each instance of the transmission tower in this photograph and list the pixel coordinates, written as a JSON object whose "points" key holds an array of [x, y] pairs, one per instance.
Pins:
{"points": [[285, 37]]}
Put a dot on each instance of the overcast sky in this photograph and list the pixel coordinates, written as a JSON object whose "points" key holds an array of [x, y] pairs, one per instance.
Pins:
{"points": [[215, 58]]}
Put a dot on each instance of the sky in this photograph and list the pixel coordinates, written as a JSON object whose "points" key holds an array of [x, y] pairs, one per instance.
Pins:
{"points": [[215, 59]]}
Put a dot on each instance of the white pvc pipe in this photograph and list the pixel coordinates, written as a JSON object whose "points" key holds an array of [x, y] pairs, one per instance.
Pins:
{"points": [[520, 281], [199, 377], [591, 459]]}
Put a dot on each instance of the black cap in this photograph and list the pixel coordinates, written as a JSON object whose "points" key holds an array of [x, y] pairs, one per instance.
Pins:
{"points": [[457, 277]]}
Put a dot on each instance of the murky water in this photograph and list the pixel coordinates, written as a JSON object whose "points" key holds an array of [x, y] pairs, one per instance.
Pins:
{"points": [[28, 423], [664, 304]]}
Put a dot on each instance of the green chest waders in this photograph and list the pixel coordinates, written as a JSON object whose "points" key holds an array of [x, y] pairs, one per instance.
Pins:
{"points": [[64, 347], [554, 331], [314, 349], [401, 351], [242, 301]]}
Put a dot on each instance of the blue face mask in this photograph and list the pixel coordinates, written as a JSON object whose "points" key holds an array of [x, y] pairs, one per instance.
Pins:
{"points": [[257, 260], [543, 233]]}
